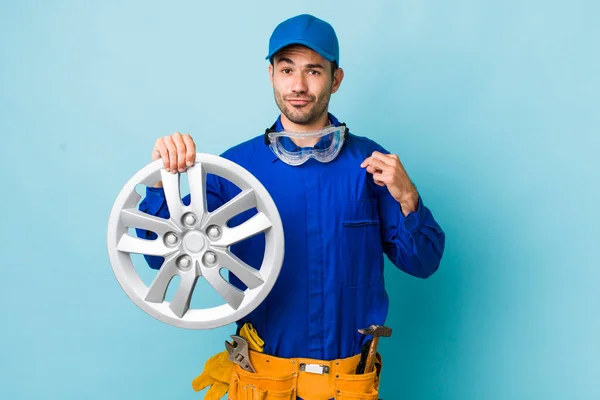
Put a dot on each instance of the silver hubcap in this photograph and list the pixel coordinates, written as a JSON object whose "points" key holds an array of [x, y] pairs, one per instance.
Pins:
{"points": [[196, 244]]}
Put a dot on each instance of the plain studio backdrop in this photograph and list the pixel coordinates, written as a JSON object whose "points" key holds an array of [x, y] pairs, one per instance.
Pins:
{"points": [[492, 106]]}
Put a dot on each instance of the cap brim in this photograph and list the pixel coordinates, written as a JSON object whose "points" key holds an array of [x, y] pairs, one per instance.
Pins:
{"points": [[328, 56]]}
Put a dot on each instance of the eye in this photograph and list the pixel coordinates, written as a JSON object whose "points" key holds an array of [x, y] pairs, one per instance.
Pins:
{"points": [[313, 72], [286, 71]]}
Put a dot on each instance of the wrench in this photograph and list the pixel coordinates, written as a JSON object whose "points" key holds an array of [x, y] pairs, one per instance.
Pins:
{"points": [[238, 353]]}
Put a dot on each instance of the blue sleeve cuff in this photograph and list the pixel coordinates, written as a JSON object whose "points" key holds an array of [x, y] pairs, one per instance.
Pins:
{"points": [[413, 220]]}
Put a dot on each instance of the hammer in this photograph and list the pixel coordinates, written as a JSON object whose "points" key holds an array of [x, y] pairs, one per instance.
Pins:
{"points": [[376, 331]]}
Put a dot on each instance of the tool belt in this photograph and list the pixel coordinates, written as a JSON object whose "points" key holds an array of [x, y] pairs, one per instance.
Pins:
{"points": [[287, 378]]}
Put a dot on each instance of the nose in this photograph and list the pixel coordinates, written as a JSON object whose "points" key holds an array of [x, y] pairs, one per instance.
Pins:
{"points": [[299, 84]]}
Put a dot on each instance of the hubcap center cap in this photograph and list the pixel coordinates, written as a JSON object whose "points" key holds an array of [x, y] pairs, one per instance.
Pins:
{"points": [[194, 242]]}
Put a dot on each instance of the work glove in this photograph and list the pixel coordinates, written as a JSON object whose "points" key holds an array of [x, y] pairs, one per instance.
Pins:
{"points": [[218, 368], [216, 374]]}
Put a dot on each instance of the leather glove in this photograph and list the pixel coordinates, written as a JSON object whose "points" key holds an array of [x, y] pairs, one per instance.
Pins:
{"points": [[216, 374]]}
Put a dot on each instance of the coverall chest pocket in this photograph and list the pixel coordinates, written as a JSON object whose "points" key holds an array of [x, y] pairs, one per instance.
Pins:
{"points": [[361, 244]]}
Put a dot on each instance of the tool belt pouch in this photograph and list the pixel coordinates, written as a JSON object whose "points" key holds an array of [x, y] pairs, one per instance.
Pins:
{"points": [[262, 386], [352, 386], [281, 379]]}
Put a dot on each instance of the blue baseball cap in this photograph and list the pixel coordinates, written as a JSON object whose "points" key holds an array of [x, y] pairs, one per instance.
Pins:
{"points": [[309, 31]]}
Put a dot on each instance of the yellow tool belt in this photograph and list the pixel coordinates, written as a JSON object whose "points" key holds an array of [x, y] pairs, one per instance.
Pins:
{"points": [[288, 378]]}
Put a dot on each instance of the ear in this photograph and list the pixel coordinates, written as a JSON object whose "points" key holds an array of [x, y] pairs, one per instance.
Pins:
{"points": [[338, 76], [271, 73]]}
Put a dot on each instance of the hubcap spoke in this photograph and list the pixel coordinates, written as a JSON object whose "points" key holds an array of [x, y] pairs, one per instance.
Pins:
{"points": [[255, 225], [240, 203], [250, 276], [131, 244], [158, 289], [170, 183], [232, 295], [135, 218], [197, 183], [181, 301]]}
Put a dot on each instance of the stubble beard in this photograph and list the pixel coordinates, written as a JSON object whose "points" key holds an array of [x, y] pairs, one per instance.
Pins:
{"points": [[302, 116]]}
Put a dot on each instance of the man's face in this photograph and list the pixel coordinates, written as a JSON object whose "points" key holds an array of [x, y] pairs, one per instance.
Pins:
{"points": [[302, 84]]}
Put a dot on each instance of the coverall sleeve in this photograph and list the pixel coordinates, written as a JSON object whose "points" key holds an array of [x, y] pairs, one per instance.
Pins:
{"points": [[414, 243], [155, 204]]}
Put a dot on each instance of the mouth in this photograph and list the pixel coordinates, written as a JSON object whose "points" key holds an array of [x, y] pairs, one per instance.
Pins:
{"points": [[298, 102]]}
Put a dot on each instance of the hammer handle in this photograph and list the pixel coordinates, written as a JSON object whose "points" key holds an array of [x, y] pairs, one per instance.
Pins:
{"points": [[371, 356]]}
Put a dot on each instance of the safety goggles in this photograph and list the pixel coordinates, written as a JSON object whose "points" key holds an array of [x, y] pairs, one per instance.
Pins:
{"points": [[331, 140]]}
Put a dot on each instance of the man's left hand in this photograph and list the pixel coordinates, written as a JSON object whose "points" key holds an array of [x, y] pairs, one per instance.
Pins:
{"points": [[388, 171]]}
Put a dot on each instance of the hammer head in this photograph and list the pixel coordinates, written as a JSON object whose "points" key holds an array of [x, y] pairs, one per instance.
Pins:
{"points": [[377, 331]]}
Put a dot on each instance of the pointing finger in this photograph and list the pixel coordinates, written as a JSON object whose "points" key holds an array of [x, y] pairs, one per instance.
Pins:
{"points": [[378, 166], [385, 158]]}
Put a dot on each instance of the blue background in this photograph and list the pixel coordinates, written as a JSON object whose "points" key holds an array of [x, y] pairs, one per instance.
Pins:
{"points": [[492, 107]]}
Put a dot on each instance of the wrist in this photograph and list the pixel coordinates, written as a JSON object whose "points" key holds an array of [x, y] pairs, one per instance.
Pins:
{"points": [[409, 202]]}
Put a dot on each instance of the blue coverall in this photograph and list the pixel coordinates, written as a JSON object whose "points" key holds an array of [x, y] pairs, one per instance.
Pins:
{"points": [[338, 224]]}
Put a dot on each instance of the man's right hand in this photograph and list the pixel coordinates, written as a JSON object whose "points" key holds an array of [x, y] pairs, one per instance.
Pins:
{"points": [[178, 152]]}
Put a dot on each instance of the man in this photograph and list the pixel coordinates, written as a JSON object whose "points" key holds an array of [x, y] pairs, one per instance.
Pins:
{"points": [[344, 201]]}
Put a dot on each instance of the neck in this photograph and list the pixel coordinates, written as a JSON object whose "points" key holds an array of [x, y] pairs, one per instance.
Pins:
{"points": [[321, 123]]}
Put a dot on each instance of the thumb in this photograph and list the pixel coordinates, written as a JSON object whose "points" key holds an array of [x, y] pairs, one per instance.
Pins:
{"points": [[216, 391], [202, 381]]}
